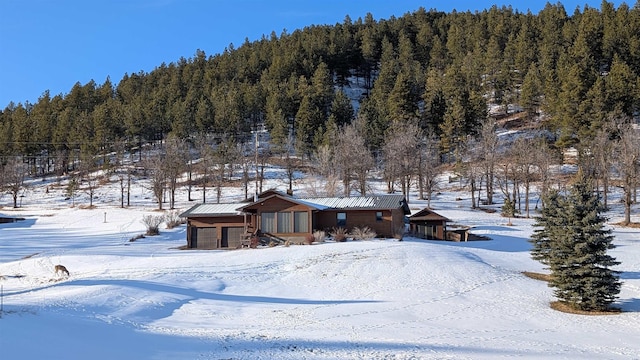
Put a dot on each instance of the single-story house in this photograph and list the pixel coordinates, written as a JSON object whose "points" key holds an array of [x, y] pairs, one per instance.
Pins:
{"points": [[281, 216], [429, 225]]}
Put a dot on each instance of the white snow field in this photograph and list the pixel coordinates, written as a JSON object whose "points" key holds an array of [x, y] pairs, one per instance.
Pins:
{"points": [[378, 299]]}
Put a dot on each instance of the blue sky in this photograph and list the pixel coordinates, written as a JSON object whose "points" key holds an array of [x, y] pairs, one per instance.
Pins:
{"points": [[52, 44]]}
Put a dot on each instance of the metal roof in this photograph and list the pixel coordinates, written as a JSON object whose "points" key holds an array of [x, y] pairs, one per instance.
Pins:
{"points": [[379, 202], [212, 210], [357, 202], [427, 215]]}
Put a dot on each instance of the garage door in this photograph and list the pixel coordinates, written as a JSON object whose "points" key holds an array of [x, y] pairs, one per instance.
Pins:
{"points": [[206, 238], [231, 236]]}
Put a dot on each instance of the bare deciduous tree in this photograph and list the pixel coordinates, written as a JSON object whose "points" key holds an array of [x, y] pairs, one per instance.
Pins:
{"points": [[158, 178], [325, 167], [472, 170], [204, 164], [15, 172], [401, 154], [523, 151], [352, 158], [544, 158], [626, 165], [292, 163], [89, 174], [174, 165], [123, 172], [489, 154], [602, 153], [224, 155], [430, 167]]}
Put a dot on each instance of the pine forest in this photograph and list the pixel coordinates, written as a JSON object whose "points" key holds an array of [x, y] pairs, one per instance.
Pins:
{"points": [[432, 88]]}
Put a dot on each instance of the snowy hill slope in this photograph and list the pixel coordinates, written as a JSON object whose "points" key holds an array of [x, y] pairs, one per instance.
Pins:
{"points": [[380, 299]]}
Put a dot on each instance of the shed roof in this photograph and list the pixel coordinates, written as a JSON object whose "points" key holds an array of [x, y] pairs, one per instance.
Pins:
{"points": [[427, 215]]}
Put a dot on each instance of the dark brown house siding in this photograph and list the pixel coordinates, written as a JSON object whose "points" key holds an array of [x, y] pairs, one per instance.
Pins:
{"points": [[219, 232], [385, 226], [280, 205], [282, 217]]}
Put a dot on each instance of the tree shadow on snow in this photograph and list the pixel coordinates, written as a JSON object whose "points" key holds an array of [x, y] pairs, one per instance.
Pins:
{"points": [[501, 243], [629, 275], [186, 295], [630, 305]]}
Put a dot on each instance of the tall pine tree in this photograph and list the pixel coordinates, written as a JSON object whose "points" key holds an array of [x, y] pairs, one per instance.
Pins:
{"points": [[573, 243]]}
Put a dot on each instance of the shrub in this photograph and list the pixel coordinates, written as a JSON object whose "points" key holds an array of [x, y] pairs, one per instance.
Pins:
{"points": [[255, 241], [152, 222], [508, 208], [172, 219], [399, 233], [137, 237], [308, 239], [363, 233], [339, 234], [319, 235]]}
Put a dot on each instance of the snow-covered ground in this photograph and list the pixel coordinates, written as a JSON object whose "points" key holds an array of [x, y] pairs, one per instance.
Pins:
{"points": [[379, 299]]}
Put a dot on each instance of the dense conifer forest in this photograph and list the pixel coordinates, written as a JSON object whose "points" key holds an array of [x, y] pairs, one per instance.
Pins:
{"points": [[437, 81]]}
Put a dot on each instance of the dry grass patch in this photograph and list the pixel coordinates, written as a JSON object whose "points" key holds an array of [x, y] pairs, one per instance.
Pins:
{"points": [[564, 306], [634, 225], [537, 276], [567, 308]]}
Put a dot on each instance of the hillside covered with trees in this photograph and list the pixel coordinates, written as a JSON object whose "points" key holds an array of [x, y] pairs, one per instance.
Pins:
{"points": [[429, 80]]}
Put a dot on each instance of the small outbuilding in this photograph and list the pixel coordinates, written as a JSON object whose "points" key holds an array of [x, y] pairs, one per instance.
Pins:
{"points": [[428, 224]]}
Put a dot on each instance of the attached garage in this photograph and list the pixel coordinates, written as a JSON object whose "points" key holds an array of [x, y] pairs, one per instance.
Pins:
{"points": [[215, 226], [231, 237], [204, 238]]}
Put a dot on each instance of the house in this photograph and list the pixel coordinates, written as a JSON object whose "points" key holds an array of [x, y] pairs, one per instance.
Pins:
{"points": [[429, 225], [281, 217]]}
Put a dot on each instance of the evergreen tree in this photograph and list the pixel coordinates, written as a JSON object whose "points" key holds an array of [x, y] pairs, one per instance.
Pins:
{"points": [[549, 226], [341, 109], [574, 244]]}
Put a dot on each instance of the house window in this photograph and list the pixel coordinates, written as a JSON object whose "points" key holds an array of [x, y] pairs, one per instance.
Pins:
{"points": [[268, 220], [284, 222], [341, 219], [378, 215], [300, 222]]}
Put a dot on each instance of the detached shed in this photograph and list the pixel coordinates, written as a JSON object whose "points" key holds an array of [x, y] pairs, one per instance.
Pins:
{"points": [[428, 224]]}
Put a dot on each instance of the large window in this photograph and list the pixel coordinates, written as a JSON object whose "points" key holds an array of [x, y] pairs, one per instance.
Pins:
{"points": [[284, 222], [300, 222], [341, 219], [268, 222]]}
